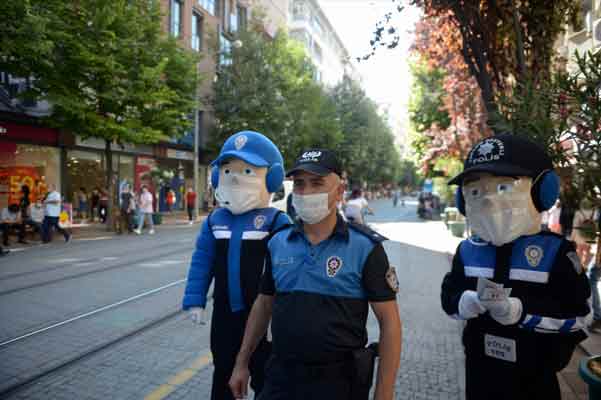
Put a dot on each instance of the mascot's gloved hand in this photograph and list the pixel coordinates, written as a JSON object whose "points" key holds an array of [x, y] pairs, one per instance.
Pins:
{"points": [[198, 315], [469, 305], [506, 311]]}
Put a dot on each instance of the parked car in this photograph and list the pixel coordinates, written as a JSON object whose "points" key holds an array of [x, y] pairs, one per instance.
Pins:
{"points": [[279, 199]]}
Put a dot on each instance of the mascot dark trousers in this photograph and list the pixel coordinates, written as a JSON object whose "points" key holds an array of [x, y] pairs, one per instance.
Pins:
{"points": [[513, 384], [227, 331]]}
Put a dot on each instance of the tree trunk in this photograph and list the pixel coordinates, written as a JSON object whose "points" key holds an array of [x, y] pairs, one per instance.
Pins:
{"points": [[110, 184]]}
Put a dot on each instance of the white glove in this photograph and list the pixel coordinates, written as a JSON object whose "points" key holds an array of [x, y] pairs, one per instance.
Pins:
{"points": [[198, 315], [505, 312], [469, 305]]}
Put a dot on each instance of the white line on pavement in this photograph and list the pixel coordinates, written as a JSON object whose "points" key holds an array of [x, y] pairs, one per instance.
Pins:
{"points": [[92, 312]]}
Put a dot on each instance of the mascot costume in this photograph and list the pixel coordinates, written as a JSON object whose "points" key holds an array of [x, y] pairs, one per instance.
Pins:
{"points": [[231, 249], [522, 291]]}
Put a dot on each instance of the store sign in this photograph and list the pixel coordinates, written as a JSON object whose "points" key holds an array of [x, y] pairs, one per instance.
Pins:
{"points": [[39, 135], [96, 143], [12, 178], [180, 154]]}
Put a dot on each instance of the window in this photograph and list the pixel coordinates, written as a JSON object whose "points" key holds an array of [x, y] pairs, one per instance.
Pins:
{"points": [[233, 28], [208, 5], [299, 11], [225, 55], [196, 37], [176, 17]]}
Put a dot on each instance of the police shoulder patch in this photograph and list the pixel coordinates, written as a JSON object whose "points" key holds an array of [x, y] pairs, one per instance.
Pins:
{"points": [[392, 280], [573, 257], [367, 231]]}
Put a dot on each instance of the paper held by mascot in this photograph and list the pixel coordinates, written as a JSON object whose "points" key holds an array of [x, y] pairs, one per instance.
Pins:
{"points": [[520, 289], [231, 249]]}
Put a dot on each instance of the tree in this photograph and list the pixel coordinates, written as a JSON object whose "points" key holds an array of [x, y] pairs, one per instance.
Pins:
{"points": [[268, 86], [105, 66], [564, 115], [367, 151]]}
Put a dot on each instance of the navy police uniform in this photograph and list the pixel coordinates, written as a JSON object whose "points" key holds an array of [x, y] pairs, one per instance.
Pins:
{"points": [[320, 308], [231, 249]]}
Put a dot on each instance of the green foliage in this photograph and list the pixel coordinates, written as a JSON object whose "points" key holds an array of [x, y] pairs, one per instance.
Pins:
{"points": [[268, 86], [564, 115], [368, 151], [426, 106], [105, 66]]}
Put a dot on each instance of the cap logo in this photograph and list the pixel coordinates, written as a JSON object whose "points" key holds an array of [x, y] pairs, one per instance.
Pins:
{"points": [[240, 141], [310, 156], [490, 149]]}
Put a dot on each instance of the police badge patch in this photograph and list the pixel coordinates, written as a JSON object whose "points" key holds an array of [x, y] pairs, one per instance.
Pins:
{"points": [[259, 221], [534, 254], [240, 141], [573, 257], [333, 265], [392, 279]]}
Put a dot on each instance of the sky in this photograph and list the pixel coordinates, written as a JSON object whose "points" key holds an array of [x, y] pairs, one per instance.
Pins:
{"points": [[385, 76]]}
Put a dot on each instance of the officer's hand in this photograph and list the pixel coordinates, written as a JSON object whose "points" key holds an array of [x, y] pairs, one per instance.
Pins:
{"points": [[505, 312], [198, 315], [469, 305], [239, 381]]}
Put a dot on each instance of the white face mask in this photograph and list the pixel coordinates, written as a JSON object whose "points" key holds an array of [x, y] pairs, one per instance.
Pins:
{"points": [[244, 195], [311, 208], [502, 213]]}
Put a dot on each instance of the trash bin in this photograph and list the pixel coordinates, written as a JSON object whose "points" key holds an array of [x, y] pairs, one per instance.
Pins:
{"points": [[591, 377], [157, 218]]}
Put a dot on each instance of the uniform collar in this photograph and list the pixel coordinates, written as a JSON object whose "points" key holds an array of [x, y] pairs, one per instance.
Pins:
{"points": [[340, 230]]}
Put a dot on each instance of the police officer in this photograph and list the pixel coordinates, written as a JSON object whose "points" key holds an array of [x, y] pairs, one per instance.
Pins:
{"points": [[320, 276], [231, 249], [518, 335]]}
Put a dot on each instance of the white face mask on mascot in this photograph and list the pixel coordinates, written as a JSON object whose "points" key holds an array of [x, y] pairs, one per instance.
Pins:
{"points": [[500, 208], [241, 187]]}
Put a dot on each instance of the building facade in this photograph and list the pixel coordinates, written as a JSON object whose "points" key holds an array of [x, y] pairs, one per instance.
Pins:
{"points": [[308, 24]]}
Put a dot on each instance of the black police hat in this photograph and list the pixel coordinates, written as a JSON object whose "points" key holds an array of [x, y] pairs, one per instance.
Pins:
{"points": [[505, 155], [317, 161]]}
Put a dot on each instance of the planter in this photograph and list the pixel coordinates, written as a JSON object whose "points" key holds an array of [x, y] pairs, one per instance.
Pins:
{"points": [[157, 218], [457, 228], [590, 372]]}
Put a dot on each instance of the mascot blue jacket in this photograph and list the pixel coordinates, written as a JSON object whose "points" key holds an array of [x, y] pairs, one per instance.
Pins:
{"points": [[231, 249]]}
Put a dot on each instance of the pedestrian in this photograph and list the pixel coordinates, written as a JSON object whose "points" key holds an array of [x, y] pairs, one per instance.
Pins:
{"points": [[103, 203], [170, 199], [190, 204], [583, 221], [595, 281], [94, 204], [320, 275], [24, 203], [145, 210], [396, 195], [554, 214], [126, 209], [10, 220], [356, 207], [232, 246], [82, 196], [523, 291], [52, 203]]}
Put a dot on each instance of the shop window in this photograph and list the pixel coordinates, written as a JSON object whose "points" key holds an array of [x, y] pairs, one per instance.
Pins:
{"points": [[31, 165]]}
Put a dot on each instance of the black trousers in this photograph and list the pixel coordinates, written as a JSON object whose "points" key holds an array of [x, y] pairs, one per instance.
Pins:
{"points": [[190, 213], [227, 332], [284, 382], [7, 228], [491, 379]]}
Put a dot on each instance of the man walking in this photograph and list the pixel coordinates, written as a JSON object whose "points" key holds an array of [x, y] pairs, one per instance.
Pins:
{"points": [[320, 275], [145, 211], [52, 202]]}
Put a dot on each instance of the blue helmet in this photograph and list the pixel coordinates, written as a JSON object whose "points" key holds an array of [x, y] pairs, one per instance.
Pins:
{"points": [[254, 149]]}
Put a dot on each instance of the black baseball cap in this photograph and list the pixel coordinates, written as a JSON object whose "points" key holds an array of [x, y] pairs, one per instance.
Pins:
{"points": [[505, 155], [316, 161]]}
